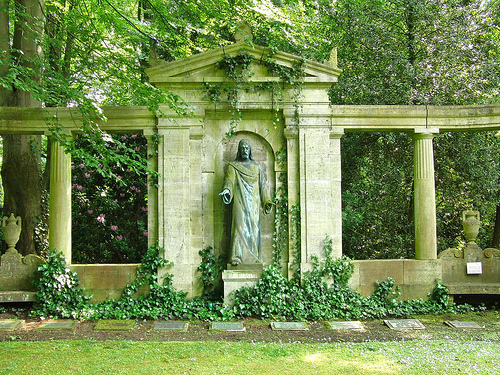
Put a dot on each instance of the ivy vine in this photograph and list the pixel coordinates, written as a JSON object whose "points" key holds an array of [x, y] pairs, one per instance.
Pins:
{"points": [[280, 236], [237, 68]]}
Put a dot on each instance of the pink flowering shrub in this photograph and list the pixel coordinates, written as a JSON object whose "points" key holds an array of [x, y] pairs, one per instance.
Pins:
{"points": [[110, 214]]}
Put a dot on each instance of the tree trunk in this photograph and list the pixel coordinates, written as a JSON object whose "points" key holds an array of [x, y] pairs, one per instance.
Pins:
{"points": [[21, 168], [496, 230], [22, 187]]}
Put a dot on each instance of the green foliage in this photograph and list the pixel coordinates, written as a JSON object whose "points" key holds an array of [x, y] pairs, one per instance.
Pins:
{"points": [[210, 267], [324, 293], [377, 197], [109, 201], [280, 235], [58, 294]]}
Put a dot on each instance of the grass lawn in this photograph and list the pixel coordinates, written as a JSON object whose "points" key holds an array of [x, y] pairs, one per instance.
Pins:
{"points": [[208, 357]]}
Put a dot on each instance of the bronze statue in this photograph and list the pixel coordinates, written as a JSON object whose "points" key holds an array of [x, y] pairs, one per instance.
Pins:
{"points": [[245, 185]]}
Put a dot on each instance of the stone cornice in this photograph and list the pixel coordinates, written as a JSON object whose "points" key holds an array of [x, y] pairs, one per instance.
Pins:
{"points": [[413, 119]]}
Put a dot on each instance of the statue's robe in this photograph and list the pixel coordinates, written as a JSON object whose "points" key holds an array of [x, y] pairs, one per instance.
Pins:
{"points": [[248, 192]]}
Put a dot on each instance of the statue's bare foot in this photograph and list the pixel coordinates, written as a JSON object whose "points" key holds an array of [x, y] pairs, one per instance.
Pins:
{"points": [[235, 261]]}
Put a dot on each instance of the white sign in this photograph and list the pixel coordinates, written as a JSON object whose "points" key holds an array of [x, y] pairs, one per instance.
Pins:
{"points": [[474, 268]]}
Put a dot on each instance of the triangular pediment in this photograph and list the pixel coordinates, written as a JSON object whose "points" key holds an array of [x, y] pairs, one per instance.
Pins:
{"points": [[202, 67]]}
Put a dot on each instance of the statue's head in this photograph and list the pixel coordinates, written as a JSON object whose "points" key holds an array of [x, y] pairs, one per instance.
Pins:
{"points": [[244, 150]]}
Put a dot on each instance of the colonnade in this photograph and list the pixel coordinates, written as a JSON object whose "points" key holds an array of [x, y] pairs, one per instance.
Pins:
{"points": [[312, 180]]}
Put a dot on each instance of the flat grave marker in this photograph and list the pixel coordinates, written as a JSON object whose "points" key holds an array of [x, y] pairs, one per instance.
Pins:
{"points": [[404, 324], [171, 326], [58, 325], [289, 326], [114, 325], [355, 325], [10, 324], [228, 326], [458, 324]]}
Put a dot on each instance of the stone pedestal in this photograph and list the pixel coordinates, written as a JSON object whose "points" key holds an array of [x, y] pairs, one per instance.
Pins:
{"points": [[235, 279], [473, 253]]}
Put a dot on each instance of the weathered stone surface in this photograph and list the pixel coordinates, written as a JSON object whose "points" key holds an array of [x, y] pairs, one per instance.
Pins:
{"points": [[235, 279], [18, 272], [356, 325], [58, 325], [289, 326], [17, 296], [228, 326], [10, 324], [171, 326], [463, 325], [106, 281], [114, 325], [404, 324]]}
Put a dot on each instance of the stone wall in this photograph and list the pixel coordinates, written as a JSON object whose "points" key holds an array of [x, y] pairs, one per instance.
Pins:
{"points": [[106, 281], [415, 277]]}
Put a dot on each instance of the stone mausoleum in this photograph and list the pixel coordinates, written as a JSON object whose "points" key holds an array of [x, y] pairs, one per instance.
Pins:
{"points": [[280, 104]]}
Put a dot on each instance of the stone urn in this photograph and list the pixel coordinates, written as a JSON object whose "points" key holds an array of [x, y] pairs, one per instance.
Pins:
{"points": [[471, 224], [11, 232]]}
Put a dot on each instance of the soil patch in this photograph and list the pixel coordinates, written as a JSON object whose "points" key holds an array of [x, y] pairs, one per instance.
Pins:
{"points": [[260, 331]]}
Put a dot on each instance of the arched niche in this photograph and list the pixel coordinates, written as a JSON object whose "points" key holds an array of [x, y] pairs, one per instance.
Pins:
{"points": [[225, 152]]}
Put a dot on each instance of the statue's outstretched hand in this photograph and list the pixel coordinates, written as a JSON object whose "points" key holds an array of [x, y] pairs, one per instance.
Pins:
{"points": [[226, 196]]}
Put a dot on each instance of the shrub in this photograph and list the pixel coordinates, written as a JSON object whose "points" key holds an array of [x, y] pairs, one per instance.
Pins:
{"points": [[58, 294]]}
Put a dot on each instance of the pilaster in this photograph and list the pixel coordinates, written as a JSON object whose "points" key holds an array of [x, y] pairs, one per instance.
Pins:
{"points": [[152, 187], [320, 190]]}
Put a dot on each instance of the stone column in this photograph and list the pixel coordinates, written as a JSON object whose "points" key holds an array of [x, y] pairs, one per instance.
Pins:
{"points": [[424, 195], [60, 200]]}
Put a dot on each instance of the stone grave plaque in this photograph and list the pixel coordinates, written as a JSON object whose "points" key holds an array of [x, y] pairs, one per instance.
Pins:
{"points": [[404, 324], [10, 324], [458, 324], [289, 326], [114, 325], [228, 326], [171, 326], [345, 325], [58, 325]]}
